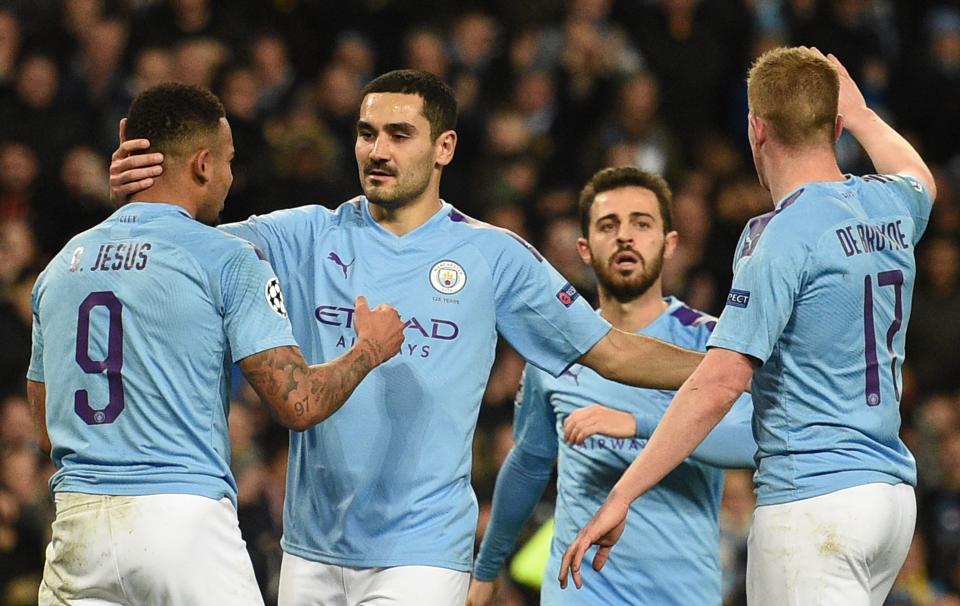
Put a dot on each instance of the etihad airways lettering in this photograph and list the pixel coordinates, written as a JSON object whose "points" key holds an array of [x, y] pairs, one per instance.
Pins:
{"points": [[435, 328]]}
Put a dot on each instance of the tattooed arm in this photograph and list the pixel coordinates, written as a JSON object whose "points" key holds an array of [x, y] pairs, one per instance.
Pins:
{"points": [[300, 395]]}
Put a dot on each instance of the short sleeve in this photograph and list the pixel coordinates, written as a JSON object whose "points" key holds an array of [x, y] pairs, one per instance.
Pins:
{"points": [[254, 312], [919, 201], [539, 312], [278, 234], [35, 370], [534, 422], [761, 299]]}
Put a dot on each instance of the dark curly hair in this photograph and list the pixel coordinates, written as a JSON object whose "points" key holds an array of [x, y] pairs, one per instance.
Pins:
{"points": [[170, 114]]}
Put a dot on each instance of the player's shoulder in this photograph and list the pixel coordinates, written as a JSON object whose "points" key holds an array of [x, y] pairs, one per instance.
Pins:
{"points": [[309, 216], [490, 240], [688, 327]]}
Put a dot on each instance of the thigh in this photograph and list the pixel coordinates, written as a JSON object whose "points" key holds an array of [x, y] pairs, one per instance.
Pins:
{"points": [[183, 549], [899, 527], [808, 553], [407, 586], [80, 563], [307, 583]]}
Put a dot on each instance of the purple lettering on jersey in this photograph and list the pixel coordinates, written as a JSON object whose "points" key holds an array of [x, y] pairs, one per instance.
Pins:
{"points": [[444, 330], [896, 229], [845, 243], [121, 256], [440, 329]]}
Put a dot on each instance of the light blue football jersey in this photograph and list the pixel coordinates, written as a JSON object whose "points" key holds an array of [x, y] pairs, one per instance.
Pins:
{"points": [[135, 324], [386, 480], [821, 296], [669, 552]]}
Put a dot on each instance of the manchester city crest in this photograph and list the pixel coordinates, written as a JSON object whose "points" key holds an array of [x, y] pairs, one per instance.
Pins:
{"points": [[448, 277]]}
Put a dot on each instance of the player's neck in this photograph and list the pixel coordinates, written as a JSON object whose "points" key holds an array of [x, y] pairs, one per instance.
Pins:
{"points": [[163, 193], [790, 170], [635, 314], [406, 218]]}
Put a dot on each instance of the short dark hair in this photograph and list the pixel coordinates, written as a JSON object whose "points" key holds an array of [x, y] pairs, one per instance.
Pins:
{"points": [[170, 114], [624, 176], [439, 102]]}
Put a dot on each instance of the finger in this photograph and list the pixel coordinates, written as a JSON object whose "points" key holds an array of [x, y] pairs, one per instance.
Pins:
{"points": [[603, 554], [361, 303], [123, 130], [121, 177], [582, 547], [126, 189], [127, 147], [150, 164], [564, 567]]}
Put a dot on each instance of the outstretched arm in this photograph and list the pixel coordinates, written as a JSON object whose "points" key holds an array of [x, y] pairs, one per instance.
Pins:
{"points": [[888, 150], [641, 361], [299, 395]]}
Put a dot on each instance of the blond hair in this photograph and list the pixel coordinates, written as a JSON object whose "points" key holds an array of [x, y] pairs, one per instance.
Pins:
{"points": [[796, 91]]}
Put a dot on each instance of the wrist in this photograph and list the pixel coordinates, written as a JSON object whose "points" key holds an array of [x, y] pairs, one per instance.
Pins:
{"points": [[856, 119], [364, 355]]}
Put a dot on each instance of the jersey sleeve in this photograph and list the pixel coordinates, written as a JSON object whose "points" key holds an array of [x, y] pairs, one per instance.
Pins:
{"points": [[539, 312], [35, 370], [765, 285], [278, 234], [919, 201], [519, 485], [254, 312], [534, 424]]}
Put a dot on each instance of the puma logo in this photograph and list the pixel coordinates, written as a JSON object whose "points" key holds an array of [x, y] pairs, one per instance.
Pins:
{"points": [[344, 266]]}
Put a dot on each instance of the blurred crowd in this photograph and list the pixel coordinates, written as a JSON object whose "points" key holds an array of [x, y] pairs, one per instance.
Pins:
{"points": [[549, 92]]}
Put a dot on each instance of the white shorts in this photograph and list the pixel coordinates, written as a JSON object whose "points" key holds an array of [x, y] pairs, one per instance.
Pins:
{"points": [[145, 550], [307, 583], [843, 548]]}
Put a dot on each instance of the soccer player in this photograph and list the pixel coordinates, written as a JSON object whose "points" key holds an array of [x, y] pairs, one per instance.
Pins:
{"points": [[816, 316], [136, 322], [670, 550], [378, 500]]}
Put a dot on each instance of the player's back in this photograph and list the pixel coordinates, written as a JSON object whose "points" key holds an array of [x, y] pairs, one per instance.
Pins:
{"points": [[133, 352], [827, 398]]}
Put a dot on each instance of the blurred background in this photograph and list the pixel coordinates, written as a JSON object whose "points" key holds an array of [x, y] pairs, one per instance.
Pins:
{"points": [[549, 92]]}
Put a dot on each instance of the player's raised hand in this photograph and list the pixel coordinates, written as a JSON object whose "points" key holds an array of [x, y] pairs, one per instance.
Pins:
{"points": [[851, 101], [130, 170], [603, 529], [379, 330], [481, 593], [598, 419]]}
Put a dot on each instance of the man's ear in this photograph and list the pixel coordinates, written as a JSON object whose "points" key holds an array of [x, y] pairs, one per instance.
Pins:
{"points": [[200, 166], [759, 128], [583, 249], [446, 145]]}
